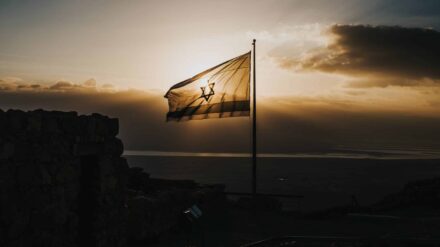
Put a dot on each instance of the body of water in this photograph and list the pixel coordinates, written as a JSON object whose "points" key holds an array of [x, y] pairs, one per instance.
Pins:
{"points": [[325, 180]]}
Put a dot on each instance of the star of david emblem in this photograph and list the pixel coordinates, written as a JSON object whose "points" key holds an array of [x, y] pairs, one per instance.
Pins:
{"points": [[208, 91]]}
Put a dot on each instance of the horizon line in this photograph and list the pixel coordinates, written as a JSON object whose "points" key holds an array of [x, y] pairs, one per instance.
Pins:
{"points": [[348, 154]]}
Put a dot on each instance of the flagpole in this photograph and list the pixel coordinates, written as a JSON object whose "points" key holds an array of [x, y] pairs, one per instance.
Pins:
{"points": [[254, 127]]}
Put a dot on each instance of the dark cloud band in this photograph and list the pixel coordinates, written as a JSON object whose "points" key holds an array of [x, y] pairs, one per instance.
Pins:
{"points": [[389, 52], [286, 124]]}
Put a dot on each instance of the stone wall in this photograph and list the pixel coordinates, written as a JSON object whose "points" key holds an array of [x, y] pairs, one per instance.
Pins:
{"points": [[62, 180]]}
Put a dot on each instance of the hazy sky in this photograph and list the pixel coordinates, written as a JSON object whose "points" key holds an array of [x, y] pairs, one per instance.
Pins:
{"points": [[372, 62], [153, 44]]}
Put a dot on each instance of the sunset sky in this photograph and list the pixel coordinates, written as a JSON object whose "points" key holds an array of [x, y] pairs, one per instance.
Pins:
{"points": [[331, 74]]}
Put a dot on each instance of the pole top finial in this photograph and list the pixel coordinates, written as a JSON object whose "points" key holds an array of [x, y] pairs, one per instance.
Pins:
{"points": [[254, 40]]}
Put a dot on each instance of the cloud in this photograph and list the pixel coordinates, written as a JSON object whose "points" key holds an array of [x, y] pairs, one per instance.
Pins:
{"points": [[392, 81], [396, 55], [90, 83], [62, 85], [18, 84], [9, 83]]}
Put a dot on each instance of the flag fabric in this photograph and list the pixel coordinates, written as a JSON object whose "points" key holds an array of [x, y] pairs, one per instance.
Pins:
{"points": [[221, 91]]}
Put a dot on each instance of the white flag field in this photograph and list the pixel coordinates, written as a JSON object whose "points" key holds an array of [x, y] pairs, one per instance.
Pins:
{"points": [[221, 91]]}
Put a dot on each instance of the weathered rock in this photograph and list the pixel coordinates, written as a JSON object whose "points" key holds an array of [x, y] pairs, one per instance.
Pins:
{"points": [[16, 120], [156, 206], [34, 122], [6, 150], [417, 193], [113, 127], [62, 180]]}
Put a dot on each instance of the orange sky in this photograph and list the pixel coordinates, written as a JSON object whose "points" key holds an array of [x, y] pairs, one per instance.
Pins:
{"points": [[154, 44]]}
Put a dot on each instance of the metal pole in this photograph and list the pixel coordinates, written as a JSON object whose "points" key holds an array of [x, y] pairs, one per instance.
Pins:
{"points": [[254, 128]]}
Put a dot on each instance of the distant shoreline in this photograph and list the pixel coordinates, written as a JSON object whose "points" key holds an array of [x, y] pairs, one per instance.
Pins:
{"points": [[337, 154]]}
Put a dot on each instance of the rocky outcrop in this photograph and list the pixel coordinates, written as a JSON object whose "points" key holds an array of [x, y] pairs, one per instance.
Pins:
{"points": [[157, 206], [62, 180], [416, 193]]}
